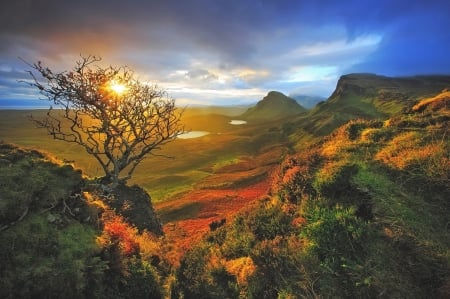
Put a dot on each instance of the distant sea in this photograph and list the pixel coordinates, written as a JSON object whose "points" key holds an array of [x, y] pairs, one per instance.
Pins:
{"points": [[23, 104]]}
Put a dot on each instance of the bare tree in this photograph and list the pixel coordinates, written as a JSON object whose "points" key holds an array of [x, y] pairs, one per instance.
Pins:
{"points": [[115, 117]]}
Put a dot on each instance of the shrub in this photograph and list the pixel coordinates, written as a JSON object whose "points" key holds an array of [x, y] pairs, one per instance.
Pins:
{"points": [[296, 184], [278, 266], [353, 128], [40, 260], [296, 177], [239, 239], [142, 281], [202, 275], [337, 237], [267, 222], [334, 179]]}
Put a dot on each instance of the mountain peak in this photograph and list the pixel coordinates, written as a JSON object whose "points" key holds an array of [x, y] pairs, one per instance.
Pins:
{"points": [[274, 105], [274, 93]]}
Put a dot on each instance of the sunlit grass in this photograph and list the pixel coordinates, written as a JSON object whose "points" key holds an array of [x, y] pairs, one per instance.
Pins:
{"points": [[191, 160], [166, 187]]}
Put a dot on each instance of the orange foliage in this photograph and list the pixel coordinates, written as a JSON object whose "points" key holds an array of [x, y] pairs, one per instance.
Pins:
{"points": [[117, 231], [298, 221], [438, 102], [407, 152], [216, 204], [329, 170], [290, 175], [242, 268]]}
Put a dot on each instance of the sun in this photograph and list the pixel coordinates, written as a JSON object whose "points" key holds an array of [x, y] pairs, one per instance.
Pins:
{"points": [[117, 87]]}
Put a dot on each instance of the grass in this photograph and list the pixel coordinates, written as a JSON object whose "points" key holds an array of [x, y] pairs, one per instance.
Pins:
{"points": [[166, 187], [410, 239], [228, 160], [156, 173], [364, 231], [182, 212], [401, 208]]}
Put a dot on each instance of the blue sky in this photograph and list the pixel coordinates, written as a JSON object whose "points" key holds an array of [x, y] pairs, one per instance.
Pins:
{"points": [[224, 52]]}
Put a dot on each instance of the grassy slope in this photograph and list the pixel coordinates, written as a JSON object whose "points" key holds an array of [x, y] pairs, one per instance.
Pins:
{"points": [[362, 213], [209, 178], [402, 173], [191, 158], [59, 238], [369, 96]]}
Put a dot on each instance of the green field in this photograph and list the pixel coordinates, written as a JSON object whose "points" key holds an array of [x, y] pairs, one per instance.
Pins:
{"points": [[176, 168]]}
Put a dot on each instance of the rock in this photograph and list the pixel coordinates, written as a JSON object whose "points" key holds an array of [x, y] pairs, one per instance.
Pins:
{"points": [[134, 204], [51, 218]]}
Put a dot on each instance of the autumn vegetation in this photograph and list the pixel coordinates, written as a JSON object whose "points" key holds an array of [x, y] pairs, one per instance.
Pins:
{"points": [[359, 211]]}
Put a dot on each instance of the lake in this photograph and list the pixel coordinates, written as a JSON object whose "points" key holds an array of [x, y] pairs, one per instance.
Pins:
{"points": [[237, 122], [193, 134]]}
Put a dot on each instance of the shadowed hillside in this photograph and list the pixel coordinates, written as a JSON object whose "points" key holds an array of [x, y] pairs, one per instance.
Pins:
{"points": [[369, 96], [62, 236], [307, 101]]}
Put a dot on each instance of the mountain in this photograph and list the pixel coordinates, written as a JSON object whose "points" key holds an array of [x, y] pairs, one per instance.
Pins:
{"points": [[307, 101], [370, 96], [274, 105]]}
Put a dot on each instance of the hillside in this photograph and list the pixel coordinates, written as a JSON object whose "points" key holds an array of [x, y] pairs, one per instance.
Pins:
{"points": [[369, 96], [62, 236], [307, 101], [359, 212], [273, 106], [363, 213]]}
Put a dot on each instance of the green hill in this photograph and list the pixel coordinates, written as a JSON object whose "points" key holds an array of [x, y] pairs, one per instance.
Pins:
{"points": [[369, 96], [62, 236], [273, 106]]}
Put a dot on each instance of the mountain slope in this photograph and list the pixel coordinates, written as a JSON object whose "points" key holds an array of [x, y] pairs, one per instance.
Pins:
{"points": [[369, 96], [307, 101], [363, 213], [273, 106]]}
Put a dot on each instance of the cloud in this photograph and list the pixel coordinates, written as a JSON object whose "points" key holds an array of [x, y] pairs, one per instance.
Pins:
{"points": [[203, 50]]}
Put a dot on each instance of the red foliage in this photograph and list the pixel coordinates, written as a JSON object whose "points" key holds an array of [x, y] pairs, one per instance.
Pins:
{"points": [[119, 232], [298, 221], [216, 204]]}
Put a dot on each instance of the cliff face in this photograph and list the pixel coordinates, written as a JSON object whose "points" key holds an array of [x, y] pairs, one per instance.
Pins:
{"points": [[371, 96], [371, 84]]}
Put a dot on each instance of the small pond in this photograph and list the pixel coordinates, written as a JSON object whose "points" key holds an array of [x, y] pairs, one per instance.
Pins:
{"points": [[193, 134], [237, 122]]}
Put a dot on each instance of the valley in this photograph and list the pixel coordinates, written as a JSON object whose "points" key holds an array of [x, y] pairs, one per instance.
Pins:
{"points": [[348, 199], [192, 181]]}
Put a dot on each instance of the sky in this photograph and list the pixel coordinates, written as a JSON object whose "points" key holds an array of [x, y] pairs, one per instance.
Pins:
{"points": [[225, 52]]}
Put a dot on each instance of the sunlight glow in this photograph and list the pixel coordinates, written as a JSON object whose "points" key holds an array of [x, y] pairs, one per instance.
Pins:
{"points": [[117, 87]]}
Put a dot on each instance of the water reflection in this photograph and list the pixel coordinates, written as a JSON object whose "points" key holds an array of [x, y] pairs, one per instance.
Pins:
{"points": [[237, 122], [193, 134]]}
